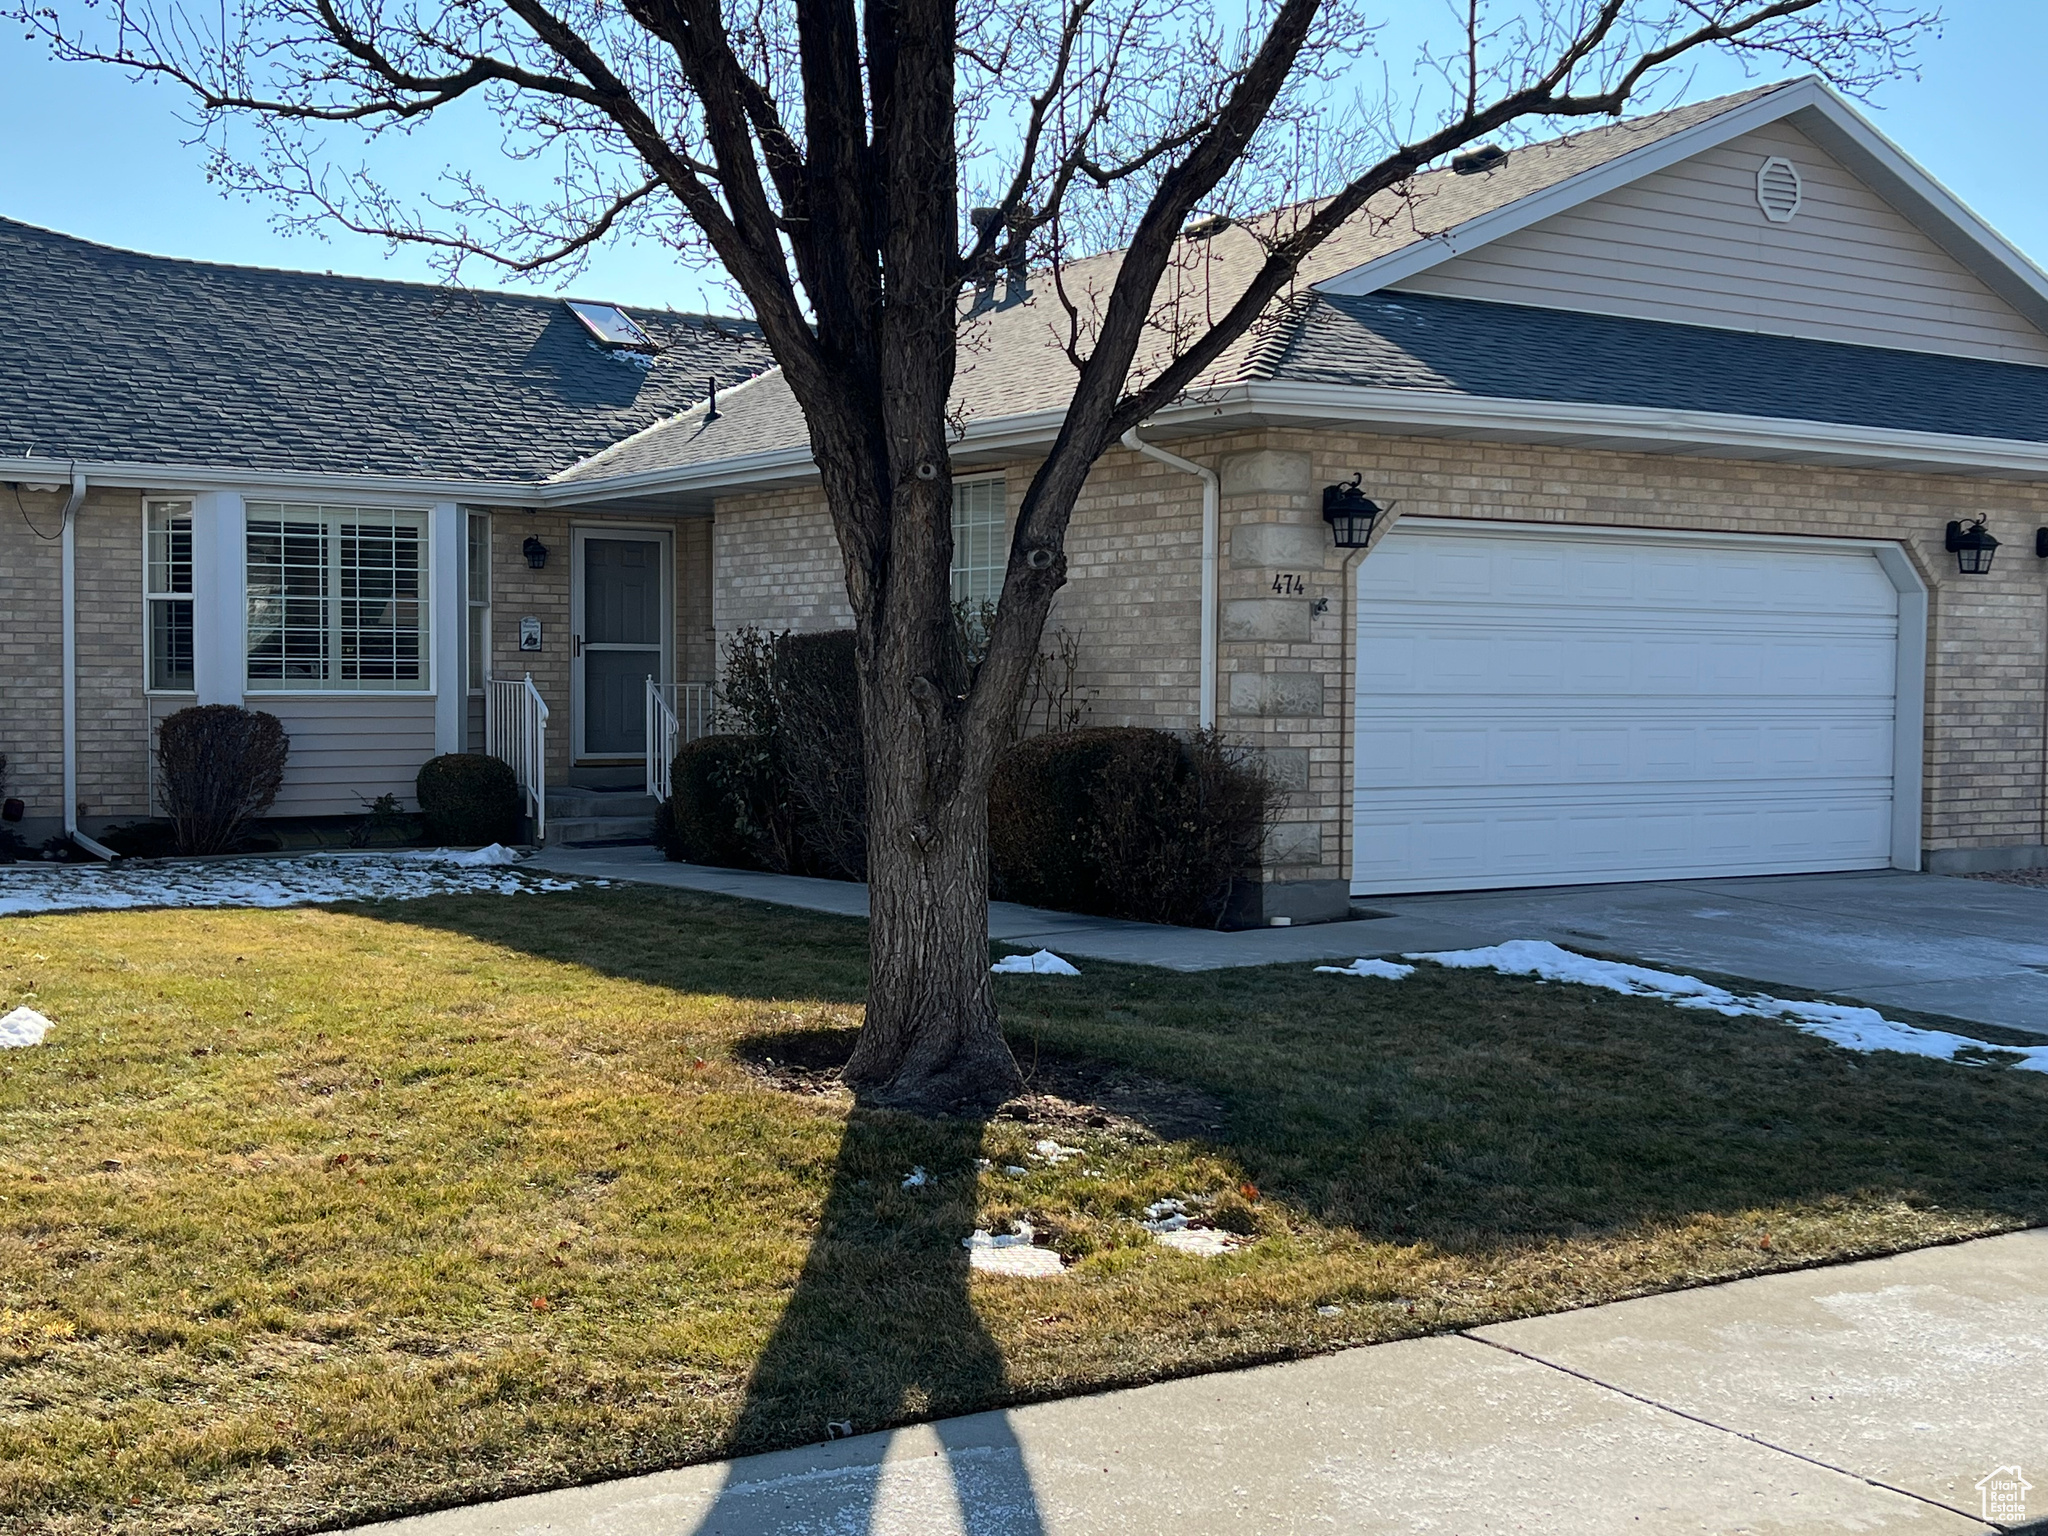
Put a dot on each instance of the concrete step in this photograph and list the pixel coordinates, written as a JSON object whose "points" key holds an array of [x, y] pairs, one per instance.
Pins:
{"points": [[598, 829], [573, 801]]}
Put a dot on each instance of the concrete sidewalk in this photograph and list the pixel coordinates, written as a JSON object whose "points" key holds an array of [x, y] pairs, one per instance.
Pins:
{"points": [[1866, 1397], [1970, 949]]}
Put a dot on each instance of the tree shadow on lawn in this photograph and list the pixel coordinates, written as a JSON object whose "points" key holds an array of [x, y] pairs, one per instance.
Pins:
{"points": [[1465, 1109], [881, 1331]]}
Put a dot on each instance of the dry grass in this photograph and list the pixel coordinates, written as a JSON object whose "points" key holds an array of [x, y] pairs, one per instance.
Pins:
{"points": [[312, 1216]]}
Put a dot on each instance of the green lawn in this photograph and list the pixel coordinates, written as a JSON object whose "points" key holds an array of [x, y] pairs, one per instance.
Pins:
{"points": [[313, 1216]]}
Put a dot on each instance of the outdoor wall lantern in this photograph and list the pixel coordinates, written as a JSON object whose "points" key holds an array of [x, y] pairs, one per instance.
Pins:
{"points": [[537, 553], [1350, 513], [2041, 543], [1973, 547]]}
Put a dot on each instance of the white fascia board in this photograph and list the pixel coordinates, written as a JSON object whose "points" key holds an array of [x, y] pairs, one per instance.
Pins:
{"points": [[273, 482], [781, 465], [1700, 432], [1813, 108], [1659, 154]]}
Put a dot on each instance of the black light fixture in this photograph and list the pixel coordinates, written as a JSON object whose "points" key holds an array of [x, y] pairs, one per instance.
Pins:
{"points": [[2041, 543], [1350, 513], [536, 552], [1973, 547]]}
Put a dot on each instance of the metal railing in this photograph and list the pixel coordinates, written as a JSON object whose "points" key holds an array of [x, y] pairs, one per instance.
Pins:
{"points": [[676, 713], [516, 732]]}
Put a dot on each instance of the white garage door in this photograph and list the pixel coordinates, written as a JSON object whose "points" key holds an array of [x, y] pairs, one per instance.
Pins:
{"points": [[1551, 708]]}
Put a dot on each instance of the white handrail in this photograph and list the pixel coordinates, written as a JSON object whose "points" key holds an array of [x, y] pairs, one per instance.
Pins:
{"points": [[516, 732], [662, 729], [676, 713]]}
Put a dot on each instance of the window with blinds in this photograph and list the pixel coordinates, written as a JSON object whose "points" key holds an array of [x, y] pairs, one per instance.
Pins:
{"points": [[167, 595], [981, 541], [337, 599]]}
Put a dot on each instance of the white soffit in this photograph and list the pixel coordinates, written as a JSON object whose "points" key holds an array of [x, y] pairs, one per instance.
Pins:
{"points": [[1815, 110]]}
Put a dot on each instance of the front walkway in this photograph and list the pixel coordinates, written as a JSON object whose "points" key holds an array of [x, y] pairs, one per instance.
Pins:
{"points": [[1865, 1397], [1969, 949]]}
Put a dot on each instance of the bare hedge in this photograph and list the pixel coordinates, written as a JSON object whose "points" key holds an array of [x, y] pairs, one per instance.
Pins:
{"points": [[219, 766]]}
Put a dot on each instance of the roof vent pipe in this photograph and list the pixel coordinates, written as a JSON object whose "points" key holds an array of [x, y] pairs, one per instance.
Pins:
{"points": [[69, 583], [1484, 158]]}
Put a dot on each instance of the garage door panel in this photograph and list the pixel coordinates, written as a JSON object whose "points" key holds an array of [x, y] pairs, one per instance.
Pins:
{"points": [[1546, 709]]}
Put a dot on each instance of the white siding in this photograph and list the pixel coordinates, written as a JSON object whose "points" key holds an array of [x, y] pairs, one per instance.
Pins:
{"points": [[345, 751], [1690, 245]]}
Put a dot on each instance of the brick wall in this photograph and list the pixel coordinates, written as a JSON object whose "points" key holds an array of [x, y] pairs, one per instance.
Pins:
{"points": [[1132, 599], [112, 714]]}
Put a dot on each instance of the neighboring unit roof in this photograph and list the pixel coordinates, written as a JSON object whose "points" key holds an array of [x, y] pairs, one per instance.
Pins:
{"points": [[116, 356], [1469, 347]]}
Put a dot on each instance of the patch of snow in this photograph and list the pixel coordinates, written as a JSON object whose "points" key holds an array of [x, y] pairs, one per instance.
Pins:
{"points": [[1203, 1242], [24, 1026], [468, 858], [1848, 1025], [1014, 1171], [1386, 970], [1329, 1310], [1014, 1253], [1052, 1152], [281, 882], [917, 1178], [1043, 963]]}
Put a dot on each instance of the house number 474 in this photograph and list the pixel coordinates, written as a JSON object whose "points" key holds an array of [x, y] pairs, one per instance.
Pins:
{"points": [[1287, 584]]}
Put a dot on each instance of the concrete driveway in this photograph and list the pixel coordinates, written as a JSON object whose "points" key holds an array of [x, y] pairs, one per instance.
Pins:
{"points": [[1971, 949]]}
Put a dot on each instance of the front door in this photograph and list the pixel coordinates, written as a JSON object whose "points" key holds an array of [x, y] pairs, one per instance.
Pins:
{"points": [[619, 637]]}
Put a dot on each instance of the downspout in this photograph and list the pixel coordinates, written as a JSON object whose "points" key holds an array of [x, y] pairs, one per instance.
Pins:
{"points": [[69, 561], [1211, 521]]}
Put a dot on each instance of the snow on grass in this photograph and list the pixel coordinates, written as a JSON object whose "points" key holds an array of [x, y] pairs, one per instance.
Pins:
{"points": [[1014, 1253], [1386, 970], [281, 882], [1043, 963], [1848, 1025], [24, 1026]]}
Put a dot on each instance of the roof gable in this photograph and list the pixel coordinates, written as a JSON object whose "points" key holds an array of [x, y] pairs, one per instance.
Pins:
{"points": [[1815, 117]]}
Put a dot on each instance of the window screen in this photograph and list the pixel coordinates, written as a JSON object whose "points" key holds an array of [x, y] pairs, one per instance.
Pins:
{"points": [[337, 599]]}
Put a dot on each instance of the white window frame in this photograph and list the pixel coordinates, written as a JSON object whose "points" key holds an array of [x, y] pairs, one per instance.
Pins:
{"points": [[980, 506], [152, 594], [328, 514], [476, 611]]}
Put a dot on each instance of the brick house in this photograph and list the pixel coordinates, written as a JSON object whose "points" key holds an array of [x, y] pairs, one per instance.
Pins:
{"points": [[1672, 419]]}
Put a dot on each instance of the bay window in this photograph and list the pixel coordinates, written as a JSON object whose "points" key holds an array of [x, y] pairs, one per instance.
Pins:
{"points": [[337, 599]]}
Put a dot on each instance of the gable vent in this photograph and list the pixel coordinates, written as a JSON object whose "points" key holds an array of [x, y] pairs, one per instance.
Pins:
{"points": [[1777, 189]]}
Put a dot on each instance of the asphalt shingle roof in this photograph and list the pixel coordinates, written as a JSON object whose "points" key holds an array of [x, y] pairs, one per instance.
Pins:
{"points": [[118, 356], [1518, 352]]}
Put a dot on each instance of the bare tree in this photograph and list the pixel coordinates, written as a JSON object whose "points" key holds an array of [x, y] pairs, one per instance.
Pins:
{"points": [[817, 151]]}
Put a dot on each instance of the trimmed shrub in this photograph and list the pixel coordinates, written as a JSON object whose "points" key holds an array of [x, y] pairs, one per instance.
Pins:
{"points": [[469, 797], [706, 819], [1127, 823], [218, 766], [798, 696]]}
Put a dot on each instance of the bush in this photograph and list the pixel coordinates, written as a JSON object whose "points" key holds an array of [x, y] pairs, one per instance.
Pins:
{"points": [[706, 818], [798, 697], [1127, 823], [218, 766], [468, 797]]}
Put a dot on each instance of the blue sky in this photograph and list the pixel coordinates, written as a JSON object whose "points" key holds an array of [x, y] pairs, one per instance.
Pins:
{"points": [[91, 153]]}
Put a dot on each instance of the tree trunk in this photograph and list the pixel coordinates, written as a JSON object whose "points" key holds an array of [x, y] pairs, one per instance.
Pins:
{"points": [[931, 1040]]}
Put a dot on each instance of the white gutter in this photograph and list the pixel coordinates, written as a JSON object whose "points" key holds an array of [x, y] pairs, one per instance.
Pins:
{"points": [[70, 620], [1211, 522], [126, 474]]}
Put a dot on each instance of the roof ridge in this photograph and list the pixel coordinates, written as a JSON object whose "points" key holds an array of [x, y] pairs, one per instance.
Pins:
{"points": [[447, 290]]}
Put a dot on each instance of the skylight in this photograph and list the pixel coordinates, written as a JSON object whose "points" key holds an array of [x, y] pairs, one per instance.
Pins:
{"points": [[609, 325]]}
